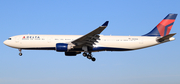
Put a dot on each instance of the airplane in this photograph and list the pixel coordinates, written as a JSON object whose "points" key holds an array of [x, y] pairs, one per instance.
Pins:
{"points": [[72, 45]]}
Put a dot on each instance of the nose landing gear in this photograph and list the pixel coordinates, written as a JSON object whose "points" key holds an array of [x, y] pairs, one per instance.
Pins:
{"points": [[20, 54], [89, 56]]}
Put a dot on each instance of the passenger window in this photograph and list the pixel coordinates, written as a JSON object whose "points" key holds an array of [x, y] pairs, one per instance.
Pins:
{"points": [[9, 38]]}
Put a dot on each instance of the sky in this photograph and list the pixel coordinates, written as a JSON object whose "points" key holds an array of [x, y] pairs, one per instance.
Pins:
{"points": [[154, 65]]}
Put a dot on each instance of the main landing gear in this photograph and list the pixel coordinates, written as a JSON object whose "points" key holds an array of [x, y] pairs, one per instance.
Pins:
{"points": [[20, 54], [89, 56]]}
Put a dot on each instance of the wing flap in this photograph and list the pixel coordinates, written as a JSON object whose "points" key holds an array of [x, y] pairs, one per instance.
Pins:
{"points": [[90, 38]]}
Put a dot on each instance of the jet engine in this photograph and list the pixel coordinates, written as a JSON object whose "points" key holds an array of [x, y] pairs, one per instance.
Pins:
{"points": [[72, 53], [62, 47]]}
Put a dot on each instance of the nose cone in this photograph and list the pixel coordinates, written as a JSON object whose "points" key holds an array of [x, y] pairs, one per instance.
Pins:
{"points": [[10, 43], [5, 42]]}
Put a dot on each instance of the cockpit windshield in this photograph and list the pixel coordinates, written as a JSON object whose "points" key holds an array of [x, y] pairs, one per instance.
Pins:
{"points": [[9, 38]]}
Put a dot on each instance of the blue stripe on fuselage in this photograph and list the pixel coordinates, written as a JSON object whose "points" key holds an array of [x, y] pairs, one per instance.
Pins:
{"points": [[94, 49], [109, 49]]}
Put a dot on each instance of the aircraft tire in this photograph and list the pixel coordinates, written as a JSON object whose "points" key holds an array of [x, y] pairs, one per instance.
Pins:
{"points": [[20, 54], [89, 56], [93, 59], [84, 54]]}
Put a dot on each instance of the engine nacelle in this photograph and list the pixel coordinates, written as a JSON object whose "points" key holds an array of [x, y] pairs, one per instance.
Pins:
{"points": [[62, 47], [72, 53]]}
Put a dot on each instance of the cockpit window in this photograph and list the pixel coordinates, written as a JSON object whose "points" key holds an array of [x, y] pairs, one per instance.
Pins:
{"points": [[9, 38]]}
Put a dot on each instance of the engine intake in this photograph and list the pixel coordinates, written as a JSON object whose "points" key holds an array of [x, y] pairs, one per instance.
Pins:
{"points": [[62, 47]]}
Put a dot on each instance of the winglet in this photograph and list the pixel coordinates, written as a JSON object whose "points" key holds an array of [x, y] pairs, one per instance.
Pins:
{"points": [[106, 23]]}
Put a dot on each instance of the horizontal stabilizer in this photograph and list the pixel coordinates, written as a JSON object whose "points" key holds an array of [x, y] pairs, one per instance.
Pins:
{"points": [[165, 38]]}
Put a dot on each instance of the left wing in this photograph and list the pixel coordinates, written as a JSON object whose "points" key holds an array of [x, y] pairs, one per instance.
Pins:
{"points": [[90, 38]]}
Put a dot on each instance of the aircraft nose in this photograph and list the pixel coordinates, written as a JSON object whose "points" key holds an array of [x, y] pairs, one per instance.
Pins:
{"points": [[5, 42], [9, 43]]}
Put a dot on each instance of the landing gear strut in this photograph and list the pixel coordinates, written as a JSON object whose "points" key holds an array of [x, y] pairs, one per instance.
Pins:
{"points": [[89, 56], [20, 54]]}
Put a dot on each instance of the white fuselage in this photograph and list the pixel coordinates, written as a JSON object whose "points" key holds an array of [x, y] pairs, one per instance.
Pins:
{"points": [[109, 43], [72, 45]]}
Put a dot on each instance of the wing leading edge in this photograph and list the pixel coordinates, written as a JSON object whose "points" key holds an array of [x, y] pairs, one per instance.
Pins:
{"points": [[90, 38]]}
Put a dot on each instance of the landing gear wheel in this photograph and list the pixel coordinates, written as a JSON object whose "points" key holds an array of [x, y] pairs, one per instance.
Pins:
{"points": [[89, 56], [20, 54], [84, 54], [93, 59]]}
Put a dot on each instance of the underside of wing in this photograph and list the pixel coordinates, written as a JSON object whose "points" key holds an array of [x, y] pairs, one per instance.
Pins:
{"points": [[90, 38]]}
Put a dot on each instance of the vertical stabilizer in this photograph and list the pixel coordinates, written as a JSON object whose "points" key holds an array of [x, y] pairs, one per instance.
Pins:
{"points": [[164, 27]]}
